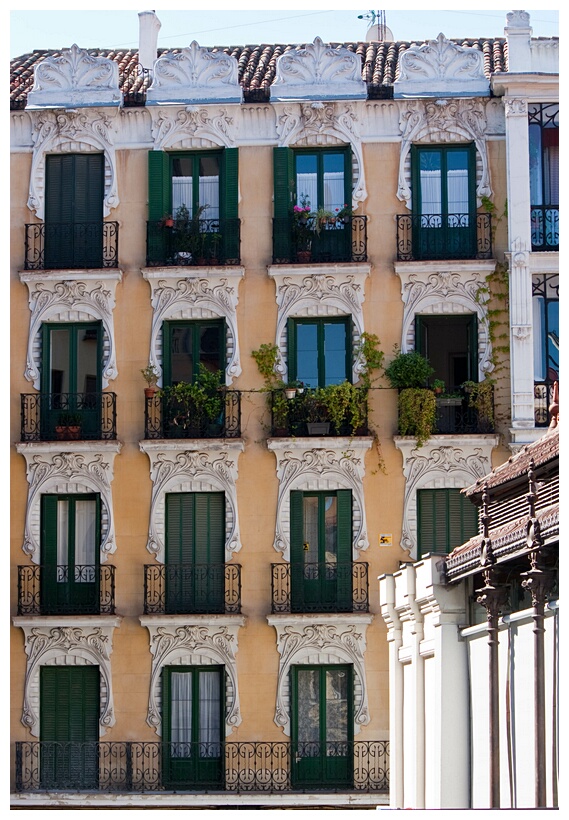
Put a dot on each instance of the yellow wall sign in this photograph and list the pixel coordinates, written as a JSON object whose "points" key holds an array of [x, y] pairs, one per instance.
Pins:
{"points": [[385, 539]]}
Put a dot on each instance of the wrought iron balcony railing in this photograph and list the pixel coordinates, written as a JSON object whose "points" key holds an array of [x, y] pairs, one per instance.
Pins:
{"points": [[196, 242], [338, 240], [320, 587], [80, 245], [543, 398], [457, 414], [50, 589], [179, 589], [164, 417], [238, 767], [68, 416], [307, 414], [545, 227], [444, 236]]}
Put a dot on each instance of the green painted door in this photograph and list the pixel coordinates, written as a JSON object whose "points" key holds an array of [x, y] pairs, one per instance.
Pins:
{"points": [[192, 724], [70, 548], [71, 379], [74, 195], [69, 727], [322, 730], [321, 536], [195, 547]]}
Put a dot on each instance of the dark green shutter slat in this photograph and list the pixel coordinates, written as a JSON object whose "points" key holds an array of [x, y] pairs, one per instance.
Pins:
{"points": [[291, 344], [344, 533], [283, 172], [48, 586], [445, 520], [472, 348], [229, 200], [159, 194]]}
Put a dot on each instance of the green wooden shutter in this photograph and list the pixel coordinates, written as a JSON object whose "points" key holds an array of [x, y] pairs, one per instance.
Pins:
{"points": [[296, 579], [463, 519], [283, 175], [159, 185], [291, 349], [48, 543], [344, 524], [445, 520], [229, 204], [472, 347]]}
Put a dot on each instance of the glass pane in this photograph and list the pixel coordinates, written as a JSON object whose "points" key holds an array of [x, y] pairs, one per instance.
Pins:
{"points": [[308, 681], [331, 528], [334, 353], [430, 180], [553, 341], [181, 713], [307, 180], [182, 189], [333, 182], [210, 346], [307, 354], [87, 354], [181, 354], [62, 539], [85, 540], [59, 365], [310, 536], [457, 182], [538, 338], [209, 713], [336, 708], [209, 187]]}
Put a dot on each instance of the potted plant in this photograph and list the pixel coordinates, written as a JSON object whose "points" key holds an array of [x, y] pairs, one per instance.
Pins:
{"points": [[167, 221], [150, 376], [302, 229], [481, 398], [68, 427], [315, 412], [193, 408], [345, 214], [410, 373], [438, 387], [321, 219]]}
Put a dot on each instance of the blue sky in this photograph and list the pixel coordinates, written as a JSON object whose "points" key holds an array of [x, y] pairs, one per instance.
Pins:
{"points": [[107, 28]]}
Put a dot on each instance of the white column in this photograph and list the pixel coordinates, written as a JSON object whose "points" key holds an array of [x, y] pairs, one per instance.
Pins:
{"points": [[396, 687], [417, 694], [519, 232]]}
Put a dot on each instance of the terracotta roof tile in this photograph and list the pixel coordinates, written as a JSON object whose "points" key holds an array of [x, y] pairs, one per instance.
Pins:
{"points": [[257, 63]]}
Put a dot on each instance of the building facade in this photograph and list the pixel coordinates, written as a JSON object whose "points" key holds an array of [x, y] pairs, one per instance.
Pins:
{"points": [[195, 618]]}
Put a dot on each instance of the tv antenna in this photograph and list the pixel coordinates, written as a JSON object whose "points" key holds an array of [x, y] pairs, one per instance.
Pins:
{"points": [[377, 25]]}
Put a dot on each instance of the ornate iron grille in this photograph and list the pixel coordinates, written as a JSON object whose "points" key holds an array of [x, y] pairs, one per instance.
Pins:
{"points": [[132, 766], [296, 417], [544, 212], [95, 590], [444, 236], [455, 415], [71, 245], [340, 240], [199, 242], [332, 587], [163, 419], [68, 416], [192, 589]]}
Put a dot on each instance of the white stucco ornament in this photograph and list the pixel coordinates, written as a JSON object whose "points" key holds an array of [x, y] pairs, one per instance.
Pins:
{"points": [[75, 79], [195, 74], [318, 71], [441, 67]]}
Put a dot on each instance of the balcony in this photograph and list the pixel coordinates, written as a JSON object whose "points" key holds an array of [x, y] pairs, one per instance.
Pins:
{"points": [[81, 245], [543, 399], [335, 410], [192, 589], [456, 414], [340, 240], [238, 768], [320, 587], [195, 242], [545, 227], [443, 236], [68, 416], [166, 417], [49, 590]]}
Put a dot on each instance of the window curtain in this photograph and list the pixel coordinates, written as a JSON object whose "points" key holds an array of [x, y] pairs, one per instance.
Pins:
{"points": [[210, 729], [62, 539], [457, 191], [182, 193], [307, 189], [333, 191], [181, 713], [85, 546]]}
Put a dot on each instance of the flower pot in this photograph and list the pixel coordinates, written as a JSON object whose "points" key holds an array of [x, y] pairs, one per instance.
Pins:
{"points": [[318, 428], [290, 392], [150, 392], [303, 256], [168, 223]]}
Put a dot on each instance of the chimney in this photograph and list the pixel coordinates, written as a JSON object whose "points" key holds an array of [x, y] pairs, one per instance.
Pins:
{"points": [[518, 35], [148, 27]]}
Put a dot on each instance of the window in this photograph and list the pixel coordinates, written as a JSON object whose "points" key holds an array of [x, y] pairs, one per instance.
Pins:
{"points": [[74, 211], [71, 378], [450, 343], [322, 727], [189, 344], [445, 520], [195, 552], [444, 201], [322, 180], [69, 727], [204, 183], [545, 343], [319, 350], [70, 545], [321, 551], [192, 726], [544, 175]]}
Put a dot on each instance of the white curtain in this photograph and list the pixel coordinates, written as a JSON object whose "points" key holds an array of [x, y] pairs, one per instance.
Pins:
{"points": [[85, 544], [307, 189], [182, 194], [62, 538], [431, 192], [551, 161], [209, 730], [181, 713], [457, 191]]}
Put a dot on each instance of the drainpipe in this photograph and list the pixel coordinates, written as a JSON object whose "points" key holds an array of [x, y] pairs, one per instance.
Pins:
{"points": [[396, 704], [148, 27]]}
